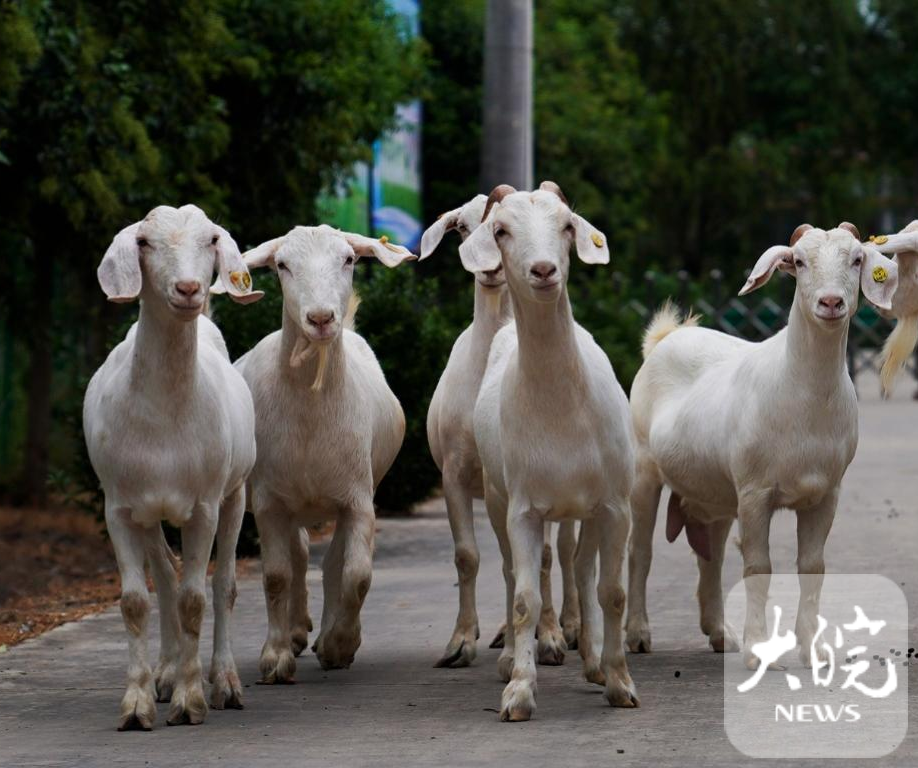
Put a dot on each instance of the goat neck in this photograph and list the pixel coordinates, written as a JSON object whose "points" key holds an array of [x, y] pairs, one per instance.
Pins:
{"points": [[165, 351], [546, 338], [493, 310], [815, 357]]}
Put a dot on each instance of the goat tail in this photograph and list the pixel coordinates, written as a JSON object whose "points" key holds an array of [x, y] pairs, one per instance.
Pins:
{"points": [[667, 319], [896, 350], [353, 303]]}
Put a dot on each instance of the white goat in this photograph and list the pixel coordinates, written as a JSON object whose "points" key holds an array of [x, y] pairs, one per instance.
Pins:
{"points": [[452, 443], [328, 428], [553, 433], [901, 342], [740, 429], [170, 430]]}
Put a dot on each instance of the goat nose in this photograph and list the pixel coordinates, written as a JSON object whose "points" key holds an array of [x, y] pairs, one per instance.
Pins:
{"points": [[543, 270], [832, 302], [493, 272], [320, 318], [188, 287]]}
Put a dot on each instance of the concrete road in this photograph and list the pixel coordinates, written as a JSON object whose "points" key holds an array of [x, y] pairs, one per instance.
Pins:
{"points": [[59, 694]]}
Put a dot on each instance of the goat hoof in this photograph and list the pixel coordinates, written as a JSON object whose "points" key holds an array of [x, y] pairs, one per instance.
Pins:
{"points": [[456, 656], [724, 641], [337, 650], [334, 661], [133, 722], [620, 691], [299, 640], [517, 702], [498, 641], [188, 706], [226, 692], [571, 635], [276, 666], [164, 681], [753, 662], [138, 710], [551, 648], [638, 640], [593, 674]]}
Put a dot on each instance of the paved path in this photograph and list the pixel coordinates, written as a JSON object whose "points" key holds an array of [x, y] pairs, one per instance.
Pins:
{"points": [[59, 694]]}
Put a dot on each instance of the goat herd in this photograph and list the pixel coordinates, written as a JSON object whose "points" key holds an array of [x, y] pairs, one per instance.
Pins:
{"points": [[528, 414]]}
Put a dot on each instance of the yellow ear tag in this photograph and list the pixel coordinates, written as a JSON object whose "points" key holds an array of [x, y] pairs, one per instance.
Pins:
{"points": [[242, 280], [880, 274], [879, 240], [385, 241], [597, 239]]}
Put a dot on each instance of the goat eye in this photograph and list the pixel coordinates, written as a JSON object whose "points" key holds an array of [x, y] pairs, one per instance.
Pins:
{"points": [[281, 267], [798, 263], [569, 228], [858, 261], [214, 239], [142, 242], [500, 232], [349, 260]]}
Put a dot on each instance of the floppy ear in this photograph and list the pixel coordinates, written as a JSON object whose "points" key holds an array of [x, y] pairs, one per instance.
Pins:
{"points": [[904, 242], [260, 256], [479, 252], [434, 233], [381, 249], [592, 246], [879, 277], [778, 256], [234, 275], [119, 273]]}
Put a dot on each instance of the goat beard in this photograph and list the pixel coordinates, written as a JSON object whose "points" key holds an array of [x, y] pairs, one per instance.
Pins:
{"points": [[304, 350], [493, 297], [897, 350]]}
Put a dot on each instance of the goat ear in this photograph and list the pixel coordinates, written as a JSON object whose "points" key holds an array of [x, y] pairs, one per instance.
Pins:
{"points": [[388, 253], [879, 277], [479, 252], [904, 242], [234, 275], [260, 256], [775, 257], [592, 246], [119, 273], [434, 233]]}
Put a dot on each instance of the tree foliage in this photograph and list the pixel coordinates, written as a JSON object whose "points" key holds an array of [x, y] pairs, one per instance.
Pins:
{"points": [[106, 110], [693, 134]]}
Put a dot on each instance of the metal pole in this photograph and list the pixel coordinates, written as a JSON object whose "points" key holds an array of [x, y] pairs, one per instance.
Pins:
{"points": [[506, 150]]}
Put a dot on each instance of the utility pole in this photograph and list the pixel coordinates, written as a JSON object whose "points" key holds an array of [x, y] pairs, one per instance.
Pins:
{"points": [[506, 150]]}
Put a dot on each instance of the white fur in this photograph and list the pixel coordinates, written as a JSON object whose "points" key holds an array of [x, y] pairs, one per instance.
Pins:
{"points": [[738, 429], [322, 450], [170, 431], [452, 444], [552, 429], [901, 342]]}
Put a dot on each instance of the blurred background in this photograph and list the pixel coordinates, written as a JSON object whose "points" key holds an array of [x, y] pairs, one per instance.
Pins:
{"points": [[693, 134]]}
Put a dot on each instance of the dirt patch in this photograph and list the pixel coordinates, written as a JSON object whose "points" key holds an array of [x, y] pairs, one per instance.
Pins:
{"points": [[58, 565], [55, 566]]}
